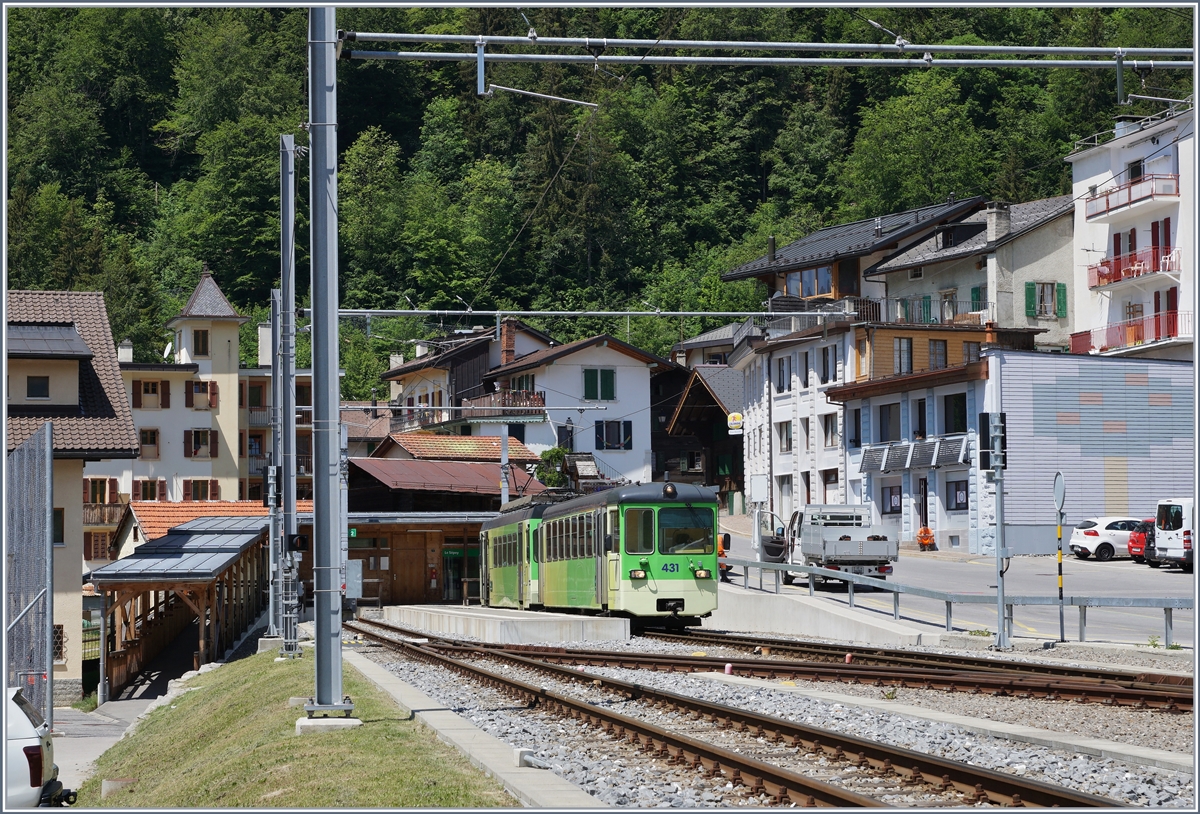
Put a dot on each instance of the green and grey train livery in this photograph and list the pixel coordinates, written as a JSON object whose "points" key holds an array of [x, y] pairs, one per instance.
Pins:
{"points": [[647, 552]]}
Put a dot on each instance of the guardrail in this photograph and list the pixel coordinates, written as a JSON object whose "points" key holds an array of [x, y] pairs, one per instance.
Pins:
{"points": [[1168, 604]]}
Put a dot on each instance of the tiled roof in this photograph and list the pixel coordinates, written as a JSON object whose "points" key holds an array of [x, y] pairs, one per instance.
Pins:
{"points": [[357, 416], [442, 356], [103, 425], [156, 519], [430, 447], [547, 355], [727, 384], [1023, 217], [855, 239], [444, 476], [207, 302], [717, 336]]}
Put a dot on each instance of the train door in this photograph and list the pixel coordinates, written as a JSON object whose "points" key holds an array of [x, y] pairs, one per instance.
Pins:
{"points": [[484, 552], [612, 547], [594, 539], [529, 533]]}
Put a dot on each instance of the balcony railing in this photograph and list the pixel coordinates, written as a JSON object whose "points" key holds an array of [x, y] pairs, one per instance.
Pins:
{"points": [[408, 419], [304, 465], [1134, 264], [1130, 192], [506, 403], [798, 315], [260, 416], [102, 514], [1132, 332], [256, 464]]}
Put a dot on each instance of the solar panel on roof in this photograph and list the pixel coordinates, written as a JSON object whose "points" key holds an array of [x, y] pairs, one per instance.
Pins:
{"points": [[923, 454], [872, 459], [951, 451], [897, 457]]}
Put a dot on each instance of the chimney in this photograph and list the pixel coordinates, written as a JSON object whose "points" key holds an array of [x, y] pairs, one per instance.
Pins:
{"points": [[374, 404], [265, 351], [508, 341], [394, 361], [771, 249], [125, 351], [878, 227], [989, 336], [422, 349], [999, 221]]}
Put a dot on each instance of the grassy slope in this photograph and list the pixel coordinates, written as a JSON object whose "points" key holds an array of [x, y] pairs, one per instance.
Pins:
{"points": [[232, 742]]}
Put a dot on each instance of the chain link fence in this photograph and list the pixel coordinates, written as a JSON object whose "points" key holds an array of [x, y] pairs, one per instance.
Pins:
{"points": [[29, 519]]}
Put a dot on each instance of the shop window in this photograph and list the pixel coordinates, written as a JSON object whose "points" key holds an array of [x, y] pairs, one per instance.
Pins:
{"points": [[891, 500], [956, 495]]}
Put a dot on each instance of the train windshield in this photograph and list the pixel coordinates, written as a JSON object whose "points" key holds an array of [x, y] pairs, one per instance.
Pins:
{"points": [[685, 531]]}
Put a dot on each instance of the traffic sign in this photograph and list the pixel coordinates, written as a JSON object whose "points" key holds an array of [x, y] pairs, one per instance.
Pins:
{"points": [[1060, 491]]}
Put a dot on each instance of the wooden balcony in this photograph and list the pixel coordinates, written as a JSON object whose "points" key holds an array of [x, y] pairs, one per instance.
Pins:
{"points": [[1132, 265], [1146, 188], [506, 404], [102, 514], [1131, 333]]}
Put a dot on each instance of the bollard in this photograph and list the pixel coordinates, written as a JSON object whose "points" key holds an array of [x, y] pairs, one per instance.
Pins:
{"points": [[896, 605], [812, 584], [849, 658], [728, 669], [1169, 628], [850, 591], [1082, 622]]}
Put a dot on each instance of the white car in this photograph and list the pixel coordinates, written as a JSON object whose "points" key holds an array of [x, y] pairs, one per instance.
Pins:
{"points": [[1103, 536], [32, 776]]}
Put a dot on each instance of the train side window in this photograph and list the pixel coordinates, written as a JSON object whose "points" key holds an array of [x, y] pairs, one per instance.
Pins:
{"points": [[639, 531], [576, 547]]}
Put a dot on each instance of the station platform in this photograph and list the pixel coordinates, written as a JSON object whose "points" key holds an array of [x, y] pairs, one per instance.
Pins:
{"points": [[508, 626]]}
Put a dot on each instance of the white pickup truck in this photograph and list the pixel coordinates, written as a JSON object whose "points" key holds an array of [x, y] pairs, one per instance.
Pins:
{"points": [[840, 538]]}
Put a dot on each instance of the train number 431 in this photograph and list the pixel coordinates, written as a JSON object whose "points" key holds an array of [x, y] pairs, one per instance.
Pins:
{"points": [[671, 567]]}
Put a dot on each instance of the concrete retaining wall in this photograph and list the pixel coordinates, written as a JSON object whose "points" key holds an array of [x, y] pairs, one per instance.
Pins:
{"points": [[505, 626]]}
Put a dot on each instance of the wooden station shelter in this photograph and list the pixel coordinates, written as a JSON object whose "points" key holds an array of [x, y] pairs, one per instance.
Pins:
{"points": [[212, 569]]}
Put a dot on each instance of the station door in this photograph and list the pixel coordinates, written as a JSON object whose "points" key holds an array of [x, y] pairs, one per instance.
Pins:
{"points": [[412, 553]]}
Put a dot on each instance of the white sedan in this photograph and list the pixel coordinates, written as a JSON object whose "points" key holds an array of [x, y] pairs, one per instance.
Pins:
{"points": [[1103, 536]]}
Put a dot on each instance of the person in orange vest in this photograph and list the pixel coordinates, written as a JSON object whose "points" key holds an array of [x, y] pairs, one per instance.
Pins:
{"points": [[926, 540], [724, 569]]}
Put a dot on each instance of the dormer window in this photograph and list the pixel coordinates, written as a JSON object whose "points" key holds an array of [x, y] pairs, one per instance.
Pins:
{"points": [[199, 343], [37, 387]]}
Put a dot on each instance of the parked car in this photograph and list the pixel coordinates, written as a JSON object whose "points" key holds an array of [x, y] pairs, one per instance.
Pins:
{"points": [[1173, 532], [1141, 536], [32, 776], [1102, 536]]}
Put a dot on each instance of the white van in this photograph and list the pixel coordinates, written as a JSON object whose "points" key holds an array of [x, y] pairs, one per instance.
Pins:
{"points": [[1173, 535]]}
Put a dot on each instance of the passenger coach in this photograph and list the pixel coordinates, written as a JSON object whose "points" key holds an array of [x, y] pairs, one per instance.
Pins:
{"points": [[646, 552]]}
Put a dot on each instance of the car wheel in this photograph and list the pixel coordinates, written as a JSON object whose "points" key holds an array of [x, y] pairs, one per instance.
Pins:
{"points": [[1187, 569], [1104, 553], [1082, 555], [788, 579], [1139, 559]]}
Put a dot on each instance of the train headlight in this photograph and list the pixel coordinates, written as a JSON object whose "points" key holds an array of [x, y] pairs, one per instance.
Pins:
{"points": [[637, 573], [703, 573]]}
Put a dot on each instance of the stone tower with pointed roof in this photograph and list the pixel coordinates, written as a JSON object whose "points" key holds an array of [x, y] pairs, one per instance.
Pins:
{"points": [[206, 335]]}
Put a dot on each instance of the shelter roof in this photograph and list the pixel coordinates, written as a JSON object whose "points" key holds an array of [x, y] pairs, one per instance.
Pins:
{"points": [[856, 239], [101, 426], [181, 556], [155, 519], [437, 476]]}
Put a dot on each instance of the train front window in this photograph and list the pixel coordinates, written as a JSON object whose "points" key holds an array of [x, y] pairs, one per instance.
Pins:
{"points": [[639, 531], [685, 531]]}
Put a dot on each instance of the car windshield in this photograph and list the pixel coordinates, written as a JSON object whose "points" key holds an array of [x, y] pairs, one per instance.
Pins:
{"points": [[1087, 524], [685, 531]]}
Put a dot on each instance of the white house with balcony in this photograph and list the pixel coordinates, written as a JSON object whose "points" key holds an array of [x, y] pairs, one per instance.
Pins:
{"points": [[1135, 187]]}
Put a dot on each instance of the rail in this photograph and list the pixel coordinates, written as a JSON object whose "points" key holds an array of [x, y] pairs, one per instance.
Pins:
{"points": [[1168, 604]]}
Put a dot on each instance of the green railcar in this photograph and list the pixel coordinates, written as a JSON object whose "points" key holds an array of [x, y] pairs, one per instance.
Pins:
{"points": [[647, 552]]}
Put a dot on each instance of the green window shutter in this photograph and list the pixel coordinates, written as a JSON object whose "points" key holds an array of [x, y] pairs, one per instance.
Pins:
{"points": [[608, 385], [599, 435], [591, 386], [927, 307], [724, 464], [1031, 299], [976, 299], [1060, 300], [627, 433]]}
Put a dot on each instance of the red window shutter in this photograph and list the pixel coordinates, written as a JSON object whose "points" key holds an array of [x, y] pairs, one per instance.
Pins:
{"points": [[137, 393], [241, 394], [113, 488], [1132, 241], [187, 443], [86, 496], [135, 494], [187, 491], [1116, 244], [214, 489], [212, 395], [187, 393], [1166, 235], [162, 489], [164, 394], [212, 444], [241, 444]]}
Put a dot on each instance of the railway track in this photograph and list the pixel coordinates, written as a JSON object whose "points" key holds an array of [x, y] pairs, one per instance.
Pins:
{"points": [[955, 783], [827, 652]]}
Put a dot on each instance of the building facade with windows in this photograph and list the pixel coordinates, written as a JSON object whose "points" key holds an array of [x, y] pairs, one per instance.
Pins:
{"points": [[62, 368], [1135, 191]]}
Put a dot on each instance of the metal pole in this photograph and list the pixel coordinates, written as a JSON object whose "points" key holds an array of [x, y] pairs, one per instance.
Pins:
{"points": [[102, 688], [48, 712], [322, 89], [274, 617], [503, 464], [287, 401], [1062, 630], [1002, 631]]}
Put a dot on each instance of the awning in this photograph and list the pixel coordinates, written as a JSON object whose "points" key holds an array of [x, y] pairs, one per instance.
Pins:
{"points": [[180, 556], [445, 476]]}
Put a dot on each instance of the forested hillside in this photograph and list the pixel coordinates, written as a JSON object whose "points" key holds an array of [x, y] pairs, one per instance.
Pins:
{"points": [[144, 142]]}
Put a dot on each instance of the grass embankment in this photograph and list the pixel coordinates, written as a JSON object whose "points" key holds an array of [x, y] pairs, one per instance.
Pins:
{"points": [[231, 742]]}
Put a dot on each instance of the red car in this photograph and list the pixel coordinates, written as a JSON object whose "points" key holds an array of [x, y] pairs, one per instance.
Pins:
{"points": [[1142, 533]]}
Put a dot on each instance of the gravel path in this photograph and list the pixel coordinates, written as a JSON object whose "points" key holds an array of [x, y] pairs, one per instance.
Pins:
{"points": [[602, 766]]}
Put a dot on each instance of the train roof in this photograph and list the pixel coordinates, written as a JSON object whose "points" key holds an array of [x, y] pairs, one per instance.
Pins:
{"points": [[639, 493]]}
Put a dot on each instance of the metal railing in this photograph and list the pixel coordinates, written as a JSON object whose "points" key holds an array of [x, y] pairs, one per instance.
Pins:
{"points": [[304, 465], [1130, 192], [102, 514], [1168, 604], [259, 416], [1133, 264], [256, 465], [1132, 332], [407, 419], [1125, 128], [794, 314]]}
